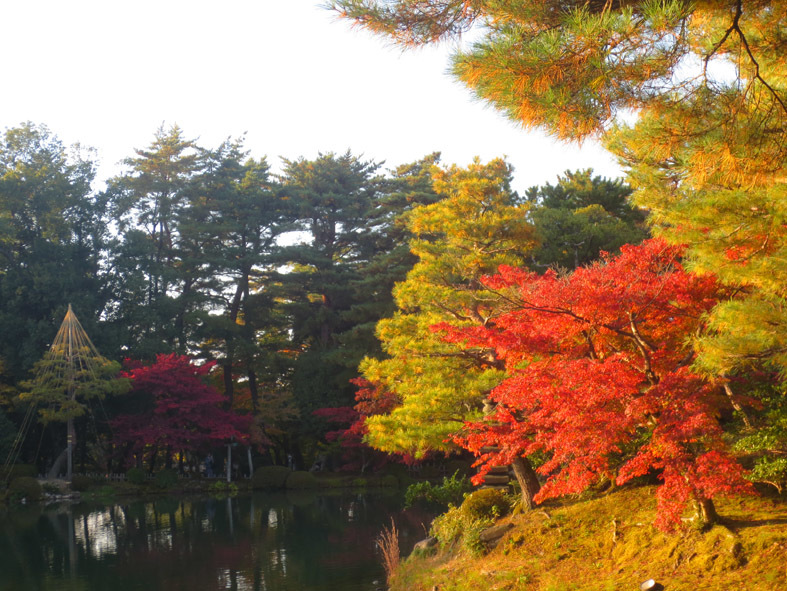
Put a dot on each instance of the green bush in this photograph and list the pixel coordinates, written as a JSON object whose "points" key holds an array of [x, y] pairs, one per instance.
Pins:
{"points": [[270, 477], [487, 503], [301, 479], [81, 483], [51, 489], [165, 479], [457, 527], [24, 489], [222, 488], [135, 476], [450, 492], [20, 470]]}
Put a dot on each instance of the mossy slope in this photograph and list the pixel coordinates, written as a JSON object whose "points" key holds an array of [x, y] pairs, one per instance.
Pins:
{"points": [[609, 544]]}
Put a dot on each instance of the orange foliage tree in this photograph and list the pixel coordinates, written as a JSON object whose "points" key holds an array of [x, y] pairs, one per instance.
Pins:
{"points": [[600, 380]]}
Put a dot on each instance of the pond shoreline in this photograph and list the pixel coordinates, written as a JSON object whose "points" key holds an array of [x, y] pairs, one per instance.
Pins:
{"points": [[289, 540], [270, 478]]}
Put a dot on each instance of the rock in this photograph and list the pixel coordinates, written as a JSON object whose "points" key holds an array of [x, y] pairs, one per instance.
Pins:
{"points": [[491, 535], [425, 545]]}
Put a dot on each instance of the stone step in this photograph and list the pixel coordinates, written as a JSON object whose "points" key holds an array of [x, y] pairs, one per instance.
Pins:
{"points": [[494, 479]]}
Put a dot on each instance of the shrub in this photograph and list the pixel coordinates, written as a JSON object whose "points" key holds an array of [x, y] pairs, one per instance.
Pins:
{"points": [[301, 479], [450, 492], [135, 476], [19, 470], [487, 503], [166, 479], [24, 489], [51, 489], [222, 488], [270, 477], [455, 526], [80, 483]]}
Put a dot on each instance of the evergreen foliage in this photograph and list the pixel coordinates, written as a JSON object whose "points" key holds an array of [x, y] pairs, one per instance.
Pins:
{"points": [[451, 491], [478, 225], [692, 99], [580, 217]]}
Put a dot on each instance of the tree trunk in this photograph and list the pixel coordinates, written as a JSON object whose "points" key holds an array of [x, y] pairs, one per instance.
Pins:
{"points": [[71, 438], [251, 463], [54, 471], [228, 384], [528, 481], [707, 512], [152, 464], [253, 390]]}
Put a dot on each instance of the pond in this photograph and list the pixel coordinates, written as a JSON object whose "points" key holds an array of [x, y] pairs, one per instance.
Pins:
{"points": [[263, 542]]}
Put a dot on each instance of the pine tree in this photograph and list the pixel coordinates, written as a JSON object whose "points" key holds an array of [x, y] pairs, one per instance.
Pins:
{"points": [[708, 83], [68, 377], [148, 200], [581, 216], [478, 225], [690, 96]]}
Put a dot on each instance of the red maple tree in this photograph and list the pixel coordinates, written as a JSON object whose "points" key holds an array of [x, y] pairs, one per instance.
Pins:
{"points": [[371, 400], [182, 412], [600, 382]]}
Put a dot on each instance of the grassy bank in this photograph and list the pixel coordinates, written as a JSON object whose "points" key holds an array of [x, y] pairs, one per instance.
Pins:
{"points": [[608, 543]]}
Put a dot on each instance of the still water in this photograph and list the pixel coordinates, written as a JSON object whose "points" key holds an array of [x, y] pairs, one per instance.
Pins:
{"points": [[262, 542]]}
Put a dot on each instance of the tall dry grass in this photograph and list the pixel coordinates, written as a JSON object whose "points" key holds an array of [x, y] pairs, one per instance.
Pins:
{"points": [[388, 544]]}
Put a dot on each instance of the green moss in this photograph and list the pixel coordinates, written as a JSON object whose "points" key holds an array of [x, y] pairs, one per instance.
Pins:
{"points": [[608, 543]]}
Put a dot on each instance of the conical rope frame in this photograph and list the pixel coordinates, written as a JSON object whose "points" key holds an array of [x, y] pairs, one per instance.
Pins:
{"points": [[71, 355]]}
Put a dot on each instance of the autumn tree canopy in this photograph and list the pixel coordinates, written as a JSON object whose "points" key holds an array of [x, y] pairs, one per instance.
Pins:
{"points": [[183, 412], [599, 379], [477, 226], [707, 84]]}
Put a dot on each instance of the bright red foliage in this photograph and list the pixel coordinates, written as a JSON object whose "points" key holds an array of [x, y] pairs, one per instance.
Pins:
{"points": [[599, 378], [370, 400], [184, 412]]}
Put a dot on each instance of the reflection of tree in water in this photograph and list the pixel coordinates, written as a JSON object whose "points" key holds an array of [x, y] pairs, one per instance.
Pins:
{"points": [[291, 542]]}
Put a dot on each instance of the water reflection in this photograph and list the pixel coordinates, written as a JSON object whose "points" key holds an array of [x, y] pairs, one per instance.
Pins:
{"points": [[304, 542]]}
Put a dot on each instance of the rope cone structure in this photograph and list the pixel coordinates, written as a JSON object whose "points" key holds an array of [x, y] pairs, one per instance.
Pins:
{"points": [[70, 372]]}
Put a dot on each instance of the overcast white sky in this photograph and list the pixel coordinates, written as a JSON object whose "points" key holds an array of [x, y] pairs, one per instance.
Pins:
{"points": [[108, 73]]}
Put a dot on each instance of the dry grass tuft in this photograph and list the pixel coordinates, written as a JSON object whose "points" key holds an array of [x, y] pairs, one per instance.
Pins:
{"points": [[388, 543]]}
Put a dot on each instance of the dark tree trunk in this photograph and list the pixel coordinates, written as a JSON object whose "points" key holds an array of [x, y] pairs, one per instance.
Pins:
{"points": [[528, 481], [253, 390], [152, 464], [707, 512], [229, 389]]}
